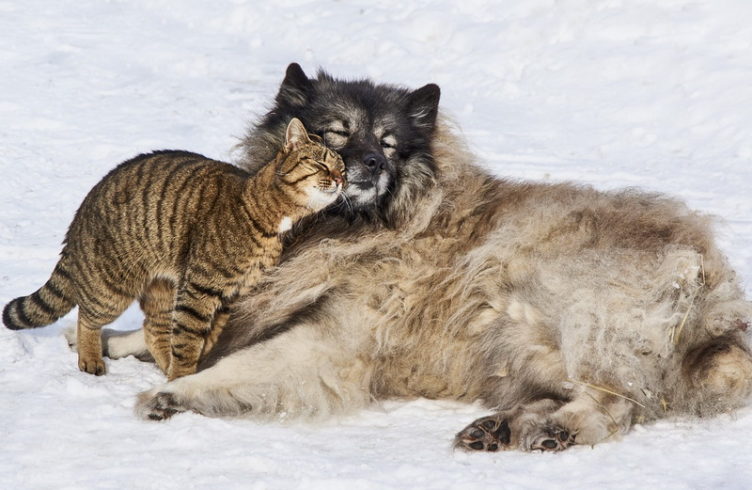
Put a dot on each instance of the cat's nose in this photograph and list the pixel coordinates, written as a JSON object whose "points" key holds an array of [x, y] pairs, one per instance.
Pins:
{"points": [[338, 178]]}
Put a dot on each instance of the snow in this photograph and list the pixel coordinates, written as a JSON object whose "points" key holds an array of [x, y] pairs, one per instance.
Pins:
{"points": [[612, 93]]}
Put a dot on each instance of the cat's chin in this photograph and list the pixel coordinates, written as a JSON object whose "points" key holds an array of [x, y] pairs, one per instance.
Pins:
{"points": [[319, 199]]}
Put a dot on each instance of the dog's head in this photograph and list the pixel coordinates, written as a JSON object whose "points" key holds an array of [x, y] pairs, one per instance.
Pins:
{"points": [[382, 132]]}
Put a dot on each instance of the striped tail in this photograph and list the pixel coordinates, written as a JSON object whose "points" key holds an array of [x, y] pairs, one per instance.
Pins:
{"points": [[43, 306]]}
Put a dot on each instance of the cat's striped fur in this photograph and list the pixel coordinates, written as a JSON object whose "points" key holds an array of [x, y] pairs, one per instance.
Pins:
{"points": [[183, 233]]}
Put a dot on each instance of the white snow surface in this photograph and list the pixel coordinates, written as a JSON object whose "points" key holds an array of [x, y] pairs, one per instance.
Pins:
{"points": [[612, 93]]}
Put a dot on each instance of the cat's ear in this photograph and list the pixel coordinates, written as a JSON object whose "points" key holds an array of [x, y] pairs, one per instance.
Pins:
{"points": [[423, 106], [295, 135], [295, 88]]}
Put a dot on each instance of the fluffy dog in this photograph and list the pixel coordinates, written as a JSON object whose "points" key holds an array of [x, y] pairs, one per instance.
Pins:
{"points": [[569, 312]]}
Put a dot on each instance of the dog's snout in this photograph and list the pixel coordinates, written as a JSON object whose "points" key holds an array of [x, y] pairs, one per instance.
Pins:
{"points": [[374, 162]]}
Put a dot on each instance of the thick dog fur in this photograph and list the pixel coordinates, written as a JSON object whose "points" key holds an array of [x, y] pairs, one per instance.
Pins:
{"points": [[569, 312]]}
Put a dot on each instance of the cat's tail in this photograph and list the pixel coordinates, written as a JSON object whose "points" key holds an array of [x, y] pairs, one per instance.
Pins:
{"points": [[43, 306]]}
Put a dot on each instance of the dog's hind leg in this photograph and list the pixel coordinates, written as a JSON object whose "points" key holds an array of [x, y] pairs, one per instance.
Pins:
{"points": [[550, 425], [716, 376], [509, 429]]}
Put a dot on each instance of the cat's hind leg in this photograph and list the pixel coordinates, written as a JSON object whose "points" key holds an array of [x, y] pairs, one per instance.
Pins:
{"points": [[93, 314], [150, 343], [158, 302], [88, 333]]}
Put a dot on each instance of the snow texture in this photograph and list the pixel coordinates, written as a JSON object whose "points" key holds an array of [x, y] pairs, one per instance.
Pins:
{"points": [[612, 93]]}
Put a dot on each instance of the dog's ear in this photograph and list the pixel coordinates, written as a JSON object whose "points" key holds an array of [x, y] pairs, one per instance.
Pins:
{"points": [[423, 105], [295, 87]]}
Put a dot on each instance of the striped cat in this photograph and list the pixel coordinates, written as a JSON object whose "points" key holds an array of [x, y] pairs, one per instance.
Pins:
{"points": [[185, 235]]}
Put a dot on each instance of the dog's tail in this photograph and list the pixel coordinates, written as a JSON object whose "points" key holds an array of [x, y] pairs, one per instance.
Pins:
{"points": [[43, 306]]}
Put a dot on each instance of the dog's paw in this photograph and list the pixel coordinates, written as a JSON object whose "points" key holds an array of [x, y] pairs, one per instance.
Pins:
{"points": [[157, 405], [485, 434], [549, 437]]}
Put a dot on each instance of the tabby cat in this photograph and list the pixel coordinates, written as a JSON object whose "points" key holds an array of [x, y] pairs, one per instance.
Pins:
{"points": [[183, 233]]}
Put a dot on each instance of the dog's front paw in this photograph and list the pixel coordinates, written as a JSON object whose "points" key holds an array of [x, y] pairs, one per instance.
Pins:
{"points": [[157, 405]]}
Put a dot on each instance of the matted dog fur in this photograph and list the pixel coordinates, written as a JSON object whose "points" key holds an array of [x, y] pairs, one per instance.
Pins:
{"points": [[570, 313]]}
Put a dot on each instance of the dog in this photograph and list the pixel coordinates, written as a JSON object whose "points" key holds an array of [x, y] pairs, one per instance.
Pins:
{"points": [[570, 313]]}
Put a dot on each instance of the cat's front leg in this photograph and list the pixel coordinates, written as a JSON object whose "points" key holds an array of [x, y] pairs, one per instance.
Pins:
{"points": [[195, 309], [218, 324]]}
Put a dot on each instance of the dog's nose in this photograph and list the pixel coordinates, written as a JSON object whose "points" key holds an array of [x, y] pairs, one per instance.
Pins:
{"points": [[374, 162]]}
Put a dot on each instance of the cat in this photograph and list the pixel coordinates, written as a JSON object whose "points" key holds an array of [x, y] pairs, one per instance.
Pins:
{"points": [[187, 235]]}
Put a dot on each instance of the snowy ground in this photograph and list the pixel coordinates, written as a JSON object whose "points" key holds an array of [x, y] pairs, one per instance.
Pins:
{"points": [[613, 93]]}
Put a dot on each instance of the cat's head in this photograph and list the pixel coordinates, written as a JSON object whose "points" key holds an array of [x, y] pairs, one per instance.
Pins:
{"points": [[314, 173]]}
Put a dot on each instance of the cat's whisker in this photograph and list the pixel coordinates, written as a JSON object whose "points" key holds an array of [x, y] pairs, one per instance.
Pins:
{"points": [[347, 202]]}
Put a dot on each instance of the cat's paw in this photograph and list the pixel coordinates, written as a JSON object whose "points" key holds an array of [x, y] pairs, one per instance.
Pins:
{"points": [[157, 405], [92, 365]]}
